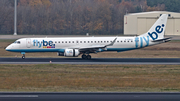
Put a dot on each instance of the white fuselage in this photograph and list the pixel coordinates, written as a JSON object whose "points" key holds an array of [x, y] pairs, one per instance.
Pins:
{"points": [[60, 44]]}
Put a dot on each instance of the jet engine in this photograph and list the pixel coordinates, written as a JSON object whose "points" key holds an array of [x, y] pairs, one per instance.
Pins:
{"points": [[60, 54], [71, 52]]}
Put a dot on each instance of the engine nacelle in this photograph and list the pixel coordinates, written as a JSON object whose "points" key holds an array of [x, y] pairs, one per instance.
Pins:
{"points": [[60, 54], [71, 52]]}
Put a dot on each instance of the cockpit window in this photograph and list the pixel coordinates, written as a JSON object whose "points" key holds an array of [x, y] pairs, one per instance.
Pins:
{"points": [[17, 42]]}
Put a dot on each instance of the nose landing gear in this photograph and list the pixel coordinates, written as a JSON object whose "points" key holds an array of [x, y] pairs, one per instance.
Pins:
{"points": [[23, 53], [23, 57], [88, 57]]}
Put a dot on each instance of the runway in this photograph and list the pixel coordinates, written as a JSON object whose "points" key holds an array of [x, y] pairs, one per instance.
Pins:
{"points": [[138, 61], [89, 96]]}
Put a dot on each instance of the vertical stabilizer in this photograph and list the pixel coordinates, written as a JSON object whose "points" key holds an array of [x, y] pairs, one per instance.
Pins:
{"points": [[158, 29]]}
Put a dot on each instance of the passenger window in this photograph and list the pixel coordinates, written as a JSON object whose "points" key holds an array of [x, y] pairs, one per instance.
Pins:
{"points": [[104, 41], [91, 41], [88, 41], [84, 41], [73, 42], [107, 41], [62, 41], [94, 41], [80, 41], [101, 41], [59, 41]]}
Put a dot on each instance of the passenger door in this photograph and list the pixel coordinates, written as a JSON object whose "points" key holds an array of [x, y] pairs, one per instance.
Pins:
{"points": [[28, 43]]}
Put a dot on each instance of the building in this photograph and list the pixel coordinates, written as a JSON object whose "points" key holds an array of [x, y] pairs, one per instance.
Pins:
{"points": [[139, 23]]}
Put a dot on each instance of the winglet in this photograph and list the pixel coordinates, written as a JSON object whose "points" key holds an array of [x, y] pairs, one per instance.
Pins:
{"points": [[112, 43]]}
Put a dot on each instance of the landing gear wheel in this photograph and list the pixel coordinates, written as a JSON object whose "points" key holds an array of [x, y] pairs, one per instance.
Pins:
{"points": [[84, 56], [88, 57], [23, 57]]}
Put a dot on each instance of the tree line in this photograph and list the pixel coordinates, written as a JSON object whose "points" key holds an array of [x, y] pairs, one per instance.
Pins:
{"points": [[75, 17]]}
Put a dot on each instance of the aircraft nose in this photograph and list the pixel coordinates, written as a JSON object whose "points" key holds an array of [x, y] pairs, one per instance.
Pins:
{"points": [[8, 48]]}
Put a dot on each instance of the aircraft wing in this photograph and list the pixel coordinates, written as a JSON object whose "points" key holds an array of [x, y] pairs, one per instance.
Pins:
{"points": [[94, 48]]}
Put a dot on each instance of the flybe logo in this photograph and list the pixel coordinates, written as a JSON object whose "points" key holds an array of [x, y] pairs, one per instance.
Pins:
{"points": [[44, 44], [159, 29], [141, 40]]}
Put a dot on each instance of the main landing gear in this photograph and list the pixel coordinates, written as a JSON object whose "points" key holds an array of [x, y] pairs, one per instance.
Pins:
{"points": [[86, 56]]}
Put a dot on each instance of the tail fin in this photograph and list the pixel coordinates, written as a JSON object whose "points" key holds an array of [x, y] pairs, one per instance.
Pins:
{"points": [[158, 29]]}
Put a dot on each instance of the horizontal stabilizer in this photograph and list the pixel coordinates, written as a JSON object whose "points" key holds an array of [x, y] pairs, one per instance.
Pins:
{"points": [[163, 40]]}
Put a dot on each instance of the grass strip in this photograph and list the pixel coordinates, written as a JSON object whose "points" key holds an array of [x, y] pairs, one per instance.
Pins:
{"points": [[90, 78]]}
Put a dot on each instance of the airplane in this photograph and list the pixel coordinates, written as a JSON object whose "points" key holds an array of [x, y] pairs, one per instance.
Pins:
{"points": [[75, 46]]}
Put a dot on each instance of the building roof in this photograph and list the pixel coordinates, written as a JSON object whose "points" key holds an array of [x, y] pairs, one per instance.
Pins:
{"points": [[149, 12]]}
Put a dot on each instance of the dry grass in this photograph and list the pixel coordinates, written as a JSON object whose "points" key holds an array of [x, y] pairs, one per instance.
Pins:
{"points": [[166, 50], [90, 78]]}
